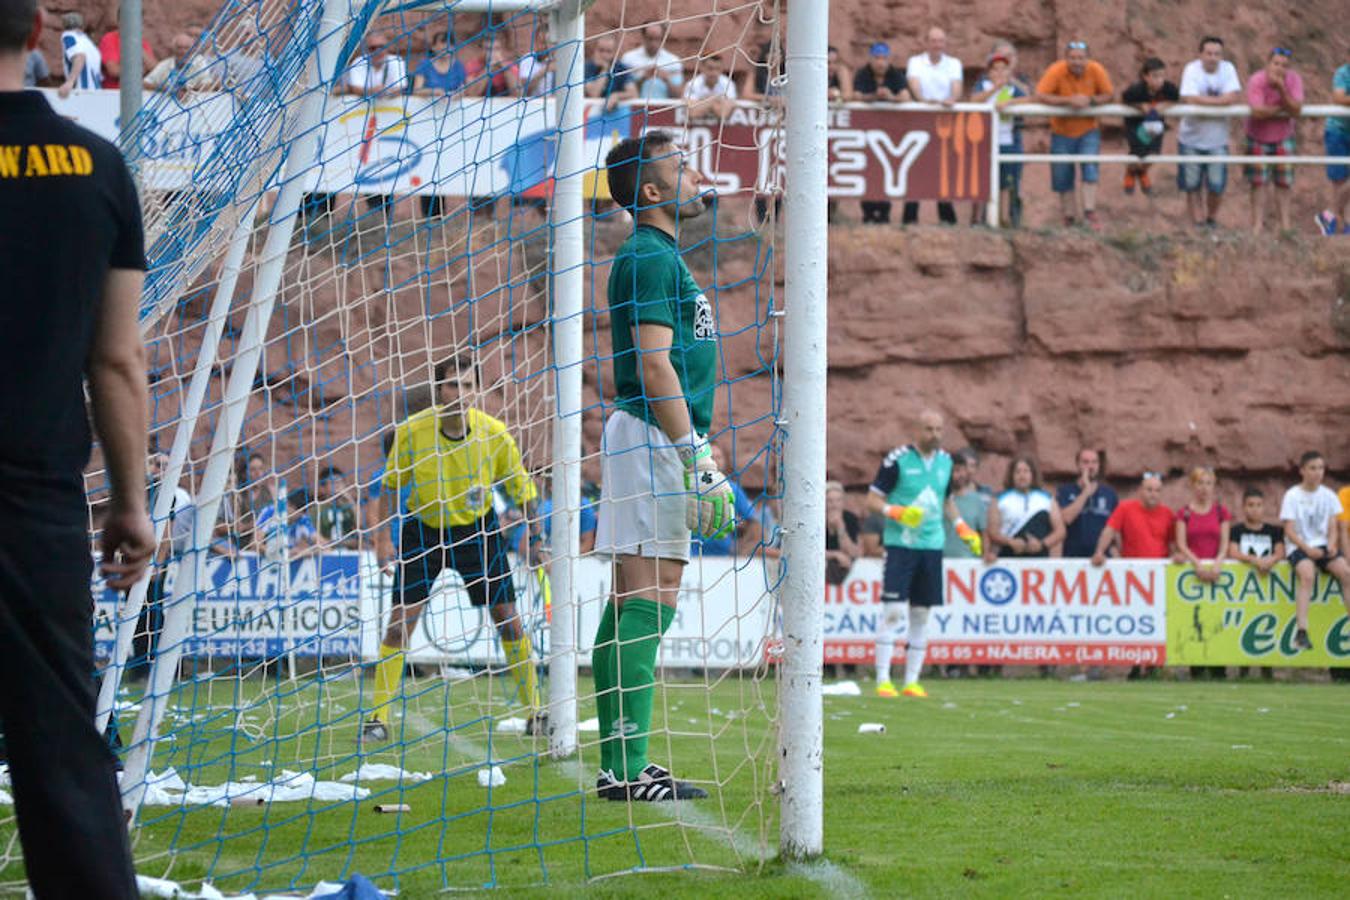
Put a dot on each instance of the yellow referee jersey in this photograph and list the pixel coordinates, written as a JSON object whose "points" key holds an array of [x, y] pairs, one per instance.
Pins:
{"points": [[451, 481]]}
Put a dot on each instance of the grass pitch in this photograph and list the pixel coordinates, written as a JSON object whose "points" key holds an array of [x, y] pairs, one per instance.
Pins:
{"points": [[988, 789]]}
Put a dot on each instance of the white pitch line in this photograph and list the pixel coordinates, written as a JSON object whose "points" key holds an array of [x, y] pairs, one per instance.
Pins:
{"points": [[839, 882]]}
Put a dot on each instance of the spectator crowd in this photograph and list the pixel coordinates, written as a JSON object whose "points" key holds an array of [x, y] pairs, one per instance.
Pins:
{"points": [[490, 66]]}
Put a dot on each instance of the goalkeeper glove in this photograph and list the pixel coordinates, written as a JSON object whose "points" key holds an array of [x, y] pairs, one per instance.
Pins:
{"points": [[970, 536], [712, 505], [908, 516]]}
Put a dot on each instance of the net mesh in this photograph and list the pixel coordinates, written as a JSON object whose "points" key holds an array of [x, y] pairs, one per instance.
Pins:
{"points": [[423, 231]]}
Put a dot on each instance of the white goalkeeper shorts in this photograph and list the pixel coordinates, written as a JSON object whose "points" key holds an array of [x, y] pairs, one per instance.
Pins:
{"points": [[643, 502]]}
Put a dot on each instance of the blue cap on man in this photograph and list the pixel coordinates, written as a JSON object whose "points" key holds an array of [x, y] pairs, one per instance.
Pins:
{"points": [[881, 48]]}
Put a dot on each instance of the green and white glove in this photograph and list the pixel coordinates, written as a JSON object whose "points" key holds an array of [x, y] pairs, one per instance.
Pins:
{"points": [[712, 505]]}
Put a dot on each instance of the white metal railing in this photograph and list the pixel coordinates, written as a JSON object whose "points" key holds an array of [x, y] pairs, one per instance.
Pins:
{"points": [[1111, 111]]}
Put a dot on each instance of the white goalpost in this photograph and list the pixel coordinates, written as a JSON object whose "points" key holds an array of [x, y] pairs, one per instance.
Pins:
{"points": [[295, 304]]}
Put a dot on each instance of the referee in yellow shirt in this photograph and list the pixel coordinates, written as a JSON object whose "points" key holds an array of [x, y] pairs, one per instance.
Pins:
{"points": [[450, 457]]}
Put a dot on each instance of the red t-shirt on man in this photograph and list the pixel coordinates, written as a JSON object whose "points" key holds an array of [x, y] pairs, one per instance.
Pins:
{"points": [[110, 49], [1144, 533]]}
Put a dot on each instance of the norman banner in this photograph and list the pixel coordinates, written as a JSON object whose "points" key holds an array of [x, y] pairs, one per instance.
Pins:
{"points": [[1033, 612], [1246, 618]]}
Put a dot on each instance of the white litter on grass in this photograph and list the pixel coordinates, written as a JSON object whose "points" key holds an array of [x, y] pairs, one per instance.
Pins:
{"points": [[491, 777], [168, 789], [1170, 716], [1263, 709], [1182, 708], [949, 705], [841, 689], [1017, 703], [1073, 705], [383, 772], [871, 728], [511, 725], [592, 724], [172, 890], [1242, 746]]}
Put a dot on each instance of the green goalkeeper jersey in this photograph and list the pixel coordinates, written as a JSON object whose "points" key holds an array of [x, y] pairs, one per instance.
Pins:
{"points": [[650, 284], [906, 478]]}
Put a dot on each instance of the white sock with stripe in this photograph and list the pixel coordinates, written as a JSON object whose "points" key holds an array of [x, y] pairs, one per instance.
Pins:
{"points": [[917, 647]]}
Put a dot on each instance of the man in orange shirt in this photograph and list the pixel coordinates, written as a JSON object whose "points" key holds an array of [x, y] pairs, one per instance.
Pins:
{"points": [[1075, 82]]}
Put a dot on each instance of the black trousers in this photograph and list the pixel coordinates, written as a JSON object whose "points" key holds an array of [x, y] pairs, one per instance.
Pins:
{"points": [[876, 212], [65, 791], [946, 213]]}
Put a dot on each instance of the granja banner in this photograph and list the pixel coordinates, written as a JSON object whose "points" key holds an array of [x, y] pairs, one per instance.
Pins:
{"points": [[473, 147], [1246, 618], [1032, 612]]}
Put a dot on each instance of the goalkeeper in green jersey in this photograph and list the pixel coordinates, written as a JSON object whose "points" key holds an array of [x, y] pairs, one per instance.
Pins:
{"points": [[659, 481]]}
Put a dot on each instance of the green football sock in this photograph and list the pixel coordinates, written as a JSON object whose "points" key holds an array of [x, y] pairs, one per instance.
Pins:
{"points": [[606, 683], [641, 624]]}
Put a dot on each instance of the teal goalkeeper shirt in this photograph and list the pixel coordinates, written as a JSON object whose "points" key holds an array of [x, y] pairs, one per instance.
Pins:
{"points": [[906, 478]]}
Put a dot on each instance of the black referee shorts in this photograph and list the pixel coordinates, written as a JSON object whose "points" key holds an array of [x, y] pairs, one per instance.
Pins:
{"points": [[477, 552]]}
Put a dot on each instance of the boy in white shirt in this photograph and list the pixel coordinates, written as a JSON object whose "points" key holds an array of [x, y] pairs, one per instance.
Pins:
{"points": [[711, 90], [383, 74], [80, 58], [1312, 535]]}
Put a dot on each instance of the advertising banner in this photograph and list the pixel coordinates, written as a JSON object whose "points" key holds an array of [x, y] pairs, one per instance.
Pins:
{"points": [[1246, 618], [248, 612], [1032, 612], [397, 145], [723, 620], [476, 147], [875, 154]]}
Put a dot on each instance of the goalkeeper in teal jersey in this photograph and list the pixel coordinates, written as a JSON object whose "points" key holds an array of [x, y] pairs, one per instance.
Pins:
{"points": [[911, 491], [659, 481]]}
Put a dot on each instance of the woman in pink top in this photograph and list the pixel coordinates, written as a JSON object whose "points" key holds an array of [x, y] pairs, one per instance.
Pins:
{"points": [[1275, 95], [1202, 527]]}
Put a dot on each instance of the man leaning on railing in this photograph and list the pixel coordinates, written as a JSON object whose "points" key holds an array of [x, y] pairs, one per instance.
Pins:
{"points": [[1076, 82], [1275, 95], [1210, 80]]}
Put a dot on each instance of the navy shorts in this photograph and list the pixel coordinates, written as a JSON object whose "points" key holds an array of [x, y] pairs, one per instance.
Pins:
{"points": [[1297, 556], [477, 552], [913, 575]]}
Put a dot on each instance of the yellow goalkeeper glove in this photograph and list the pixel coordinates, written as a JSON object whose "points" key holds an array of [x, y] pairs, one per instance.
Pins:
{"points": [[970, 536], [908, 516], [712, 504]]}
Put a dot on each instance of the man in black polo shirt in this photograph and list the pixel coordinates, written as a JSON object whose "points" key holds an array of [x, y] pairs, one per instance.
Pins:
{"points": [[72, 258], [879, 81]]}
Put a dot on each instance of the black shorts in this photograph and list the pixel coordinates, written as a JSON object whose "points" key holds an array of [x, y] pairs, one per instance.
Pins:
{"points": [[1297, 556], [477, 552], [913, 575]]}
